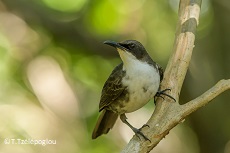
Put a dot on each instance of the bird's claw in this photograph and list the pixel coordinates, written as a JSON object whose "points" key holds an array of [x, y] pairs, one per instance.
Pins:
{"points": [[162, 92], [145, 126], [138, 131]]}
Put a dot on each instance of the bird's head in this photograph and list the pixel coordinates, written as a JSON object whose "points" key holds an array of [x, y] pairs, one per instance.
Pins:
{"points": [[129, 50]]}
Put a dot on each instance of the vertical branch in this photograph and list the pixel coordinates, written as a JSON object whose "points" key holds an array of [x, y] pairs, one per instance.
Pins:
{"points": [[165, 116], [176, 70]]}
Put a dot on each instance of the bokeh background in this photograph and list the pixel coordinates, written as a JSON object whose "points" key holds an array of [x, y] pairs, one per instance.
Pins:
{"points": [[53, 64]]}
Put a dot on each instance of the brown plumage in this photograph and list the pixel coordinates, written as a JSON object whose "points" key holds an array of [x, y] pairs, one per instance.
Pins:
{"points": [[112, 91]]}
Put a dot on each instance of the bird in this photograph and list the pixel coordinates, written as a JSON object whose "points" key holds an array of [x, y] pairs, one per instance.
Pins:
{"points": [[129, 87]]}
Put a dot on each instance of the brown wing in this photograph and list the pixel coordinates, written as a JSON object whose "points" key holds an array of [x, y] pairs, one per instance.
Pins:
{"points": [[112, 88]]}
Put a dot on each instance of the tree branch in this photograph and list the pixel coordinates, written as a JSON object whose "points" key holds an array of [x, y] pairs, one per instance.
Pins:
{"points": [[168, 114], [205, 98]]}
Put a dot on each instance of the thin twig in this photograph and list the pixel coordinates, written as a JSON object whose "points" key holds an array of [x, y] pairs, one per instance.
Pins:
{"points": [[205, 98]]}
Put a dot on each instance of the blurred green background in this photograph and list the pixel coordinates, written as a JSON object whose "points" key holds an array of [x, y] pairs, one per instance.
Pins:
{"points": [[53, 64]]}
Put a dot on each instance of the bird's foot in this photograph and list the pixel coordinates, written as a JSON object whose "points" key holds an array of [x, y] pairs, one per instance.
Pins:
{"points": [[162, 92], [138, 132], [135, 130]]}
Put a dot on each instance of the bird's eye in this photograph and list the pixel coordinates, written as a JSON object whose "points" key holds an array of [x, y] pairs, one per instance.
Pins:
{"points": [[131, 46]]}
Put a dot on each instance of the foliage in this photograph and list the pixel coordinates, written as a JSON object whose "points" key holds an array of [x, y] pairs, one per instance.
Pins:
{"points": [[53, 65]]}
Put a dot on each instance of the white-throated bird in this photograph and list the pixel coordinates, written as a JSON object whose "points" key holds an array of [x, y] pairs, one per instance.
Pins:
{"points": [[129, 87]]}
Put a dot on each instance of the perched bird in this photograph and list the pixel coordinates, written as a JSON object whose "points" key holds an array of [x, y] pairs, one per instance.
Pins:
{"points": [[129, 87]]}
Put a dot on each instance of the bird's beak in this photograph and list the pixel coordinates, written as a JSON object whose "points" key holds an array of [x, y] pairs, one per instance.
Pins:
{"points": [[114, 44]]}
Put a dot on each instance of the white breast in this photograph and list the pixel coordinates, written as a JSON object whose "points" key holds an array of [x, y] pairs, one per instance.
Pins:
{"points": [[143, 82]]}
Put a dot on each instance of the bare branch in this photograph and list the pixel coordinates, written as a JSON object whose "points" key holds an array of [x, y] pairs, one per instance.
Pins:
{"points": [[165, 116], [168, 114], [183, 45], [205, 98]]}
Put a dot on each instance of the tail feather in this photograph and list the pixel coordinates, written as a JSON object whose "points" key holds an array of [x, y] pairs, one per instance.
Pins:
{"points": [[104, 123]]}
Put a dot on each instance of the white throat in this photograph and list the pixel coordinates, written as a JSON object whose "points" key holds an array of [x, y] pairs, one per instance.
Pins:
{"points": [[129, 61]]}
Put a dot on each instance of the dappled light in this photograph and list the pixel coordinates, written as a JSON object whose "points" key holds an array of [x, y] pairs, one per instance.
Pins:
{"points": [[53, 65], [51, 88]]}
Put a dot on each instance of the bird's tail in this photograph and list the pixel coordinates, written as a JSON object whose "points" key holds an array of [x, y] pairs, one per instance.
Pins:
{"points": [[104, 123]]}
